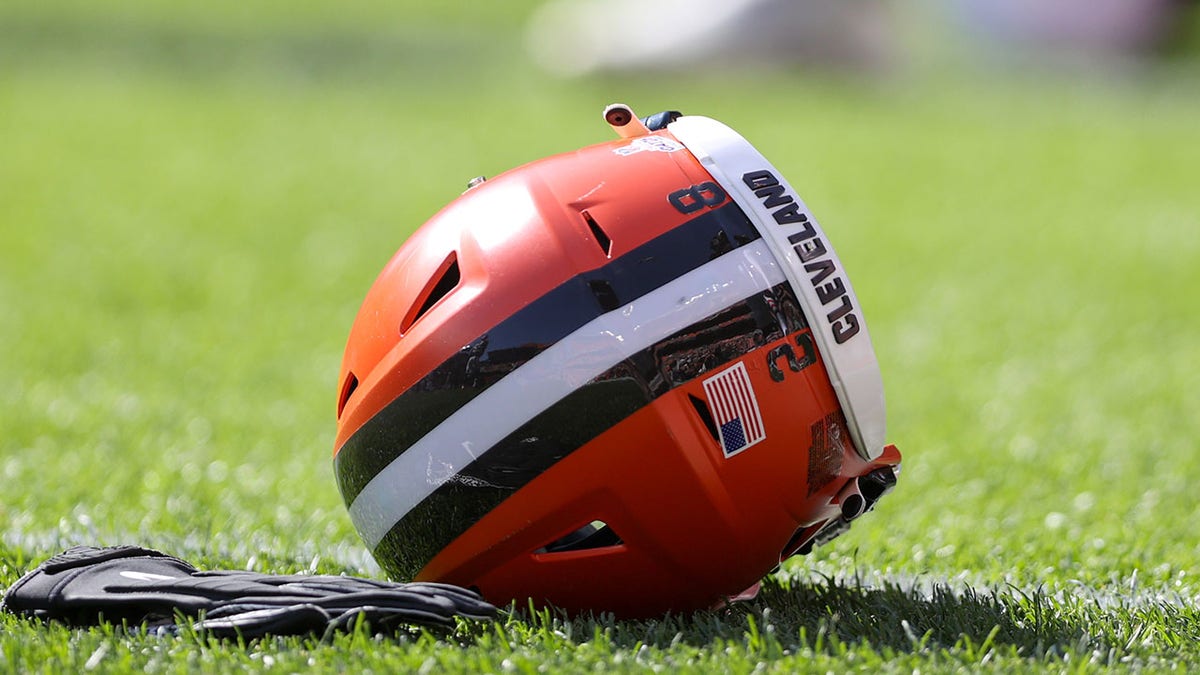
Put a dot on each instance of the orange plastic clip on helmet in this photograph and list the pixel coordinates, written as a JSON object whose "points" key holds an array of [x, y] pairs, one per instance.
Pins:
{"points": [[631, 378]]}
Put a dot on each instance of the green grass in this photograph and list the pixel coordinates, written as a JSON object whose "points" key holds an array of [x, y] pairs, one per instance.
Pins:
{"points": [[186, 233]]}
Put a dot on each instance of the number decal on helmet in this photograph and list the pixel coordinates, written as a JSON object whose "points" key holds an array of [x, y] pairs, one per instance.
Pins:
{"points": [[696, 197], [785, 351]]}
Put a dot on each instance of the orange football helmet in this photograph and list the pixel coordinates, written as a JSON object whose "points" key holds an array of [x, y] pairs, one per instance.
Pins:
{"points": [[631, 378]]}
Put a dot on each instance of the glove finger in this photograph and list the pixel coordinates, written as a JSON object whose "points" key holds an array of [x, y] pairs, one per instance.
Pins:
{"points": [[340, 593], [389, 618], [254, 621]]}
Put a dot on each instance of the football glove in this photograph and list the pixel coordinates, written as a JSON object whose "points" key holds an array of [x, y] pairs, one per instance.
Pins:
{"points": [[87, 585]]}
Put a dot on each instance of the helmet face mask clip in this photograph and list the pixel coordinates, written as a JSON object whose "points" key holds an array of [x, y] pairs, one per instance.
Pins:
{"points": [[632, 378]]}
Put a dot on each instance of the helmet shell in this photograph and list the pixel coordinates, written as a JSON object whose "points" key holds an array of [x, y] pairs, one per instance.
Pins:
{"points": [[593, 382]]}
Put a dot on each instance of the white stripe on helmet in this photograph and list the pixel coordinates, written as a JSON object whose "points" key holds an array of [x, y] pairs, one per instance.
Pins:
{"points": [[553, 374]]}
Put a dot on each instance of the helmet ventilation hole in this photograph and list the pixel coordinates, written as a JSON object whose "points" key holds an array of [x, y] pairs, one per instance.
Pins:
{"points": [[598, 232], [705, 416], [439, 286], [596, 534], [348, 388], [604, 294]]}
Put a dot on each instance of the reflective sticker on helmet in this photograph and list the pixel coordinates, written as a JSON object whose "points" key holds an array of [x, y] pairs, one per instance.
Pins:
{"points": [[648, 144], [735, 409]]}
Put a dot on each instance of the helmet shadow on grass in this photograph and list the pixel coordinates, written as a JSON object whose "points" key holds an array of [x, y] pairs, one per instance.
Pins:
{"points": [[792, 617]]}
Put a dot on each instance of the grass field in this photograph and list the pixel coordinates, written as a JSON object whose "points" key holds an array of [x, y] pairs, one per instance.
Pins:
{"points": [[192, 205]]}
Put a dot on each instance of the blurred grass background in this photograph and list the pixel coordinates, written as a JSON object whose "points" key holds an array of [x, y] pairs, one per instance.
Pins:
{"points": [[195, 198]]}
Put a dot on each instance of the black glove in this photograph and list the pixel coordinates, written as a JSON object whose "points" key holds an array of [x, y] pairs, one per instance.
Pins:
{"points": [[85, 585]]}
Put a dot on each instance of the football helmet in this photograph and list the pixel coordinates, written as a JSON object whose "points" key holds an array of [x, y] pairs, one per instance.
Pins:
{"points": [[631, 378]]}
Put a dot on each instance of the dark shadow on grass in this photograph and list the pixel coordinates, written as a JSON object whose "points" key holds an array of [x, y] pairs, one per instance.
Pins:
{"points": [[790, 617], [918, 618]]}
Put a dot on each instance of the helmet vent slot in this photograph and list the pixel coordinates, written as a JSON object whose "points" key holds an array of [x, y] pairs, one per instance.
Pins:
{"points": [[600, 235], [605, 294], [439, 286], [705, 416], [348, 388], [596, 534]]}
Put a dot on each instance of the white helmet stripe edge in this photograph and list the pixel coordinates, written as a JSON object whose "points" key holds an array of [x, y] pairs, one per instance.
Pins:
{"points": [[811, 265], [550, 376]]}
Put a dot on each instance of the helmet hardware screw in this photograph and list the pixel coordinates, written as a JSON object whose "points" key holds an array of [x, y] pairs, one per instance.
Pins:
{"points": [[618, 114], [621, 118], [476, 181]]}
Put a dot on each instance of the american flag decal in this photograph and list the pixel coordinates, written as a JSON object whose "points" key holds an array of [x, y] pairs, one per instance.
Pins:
{"points": [[734, 409]]}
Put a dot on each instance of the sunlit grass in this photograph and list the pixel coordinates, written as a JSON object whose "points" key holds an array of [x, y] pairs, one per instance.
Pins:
{"points": [[182, 252]]}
